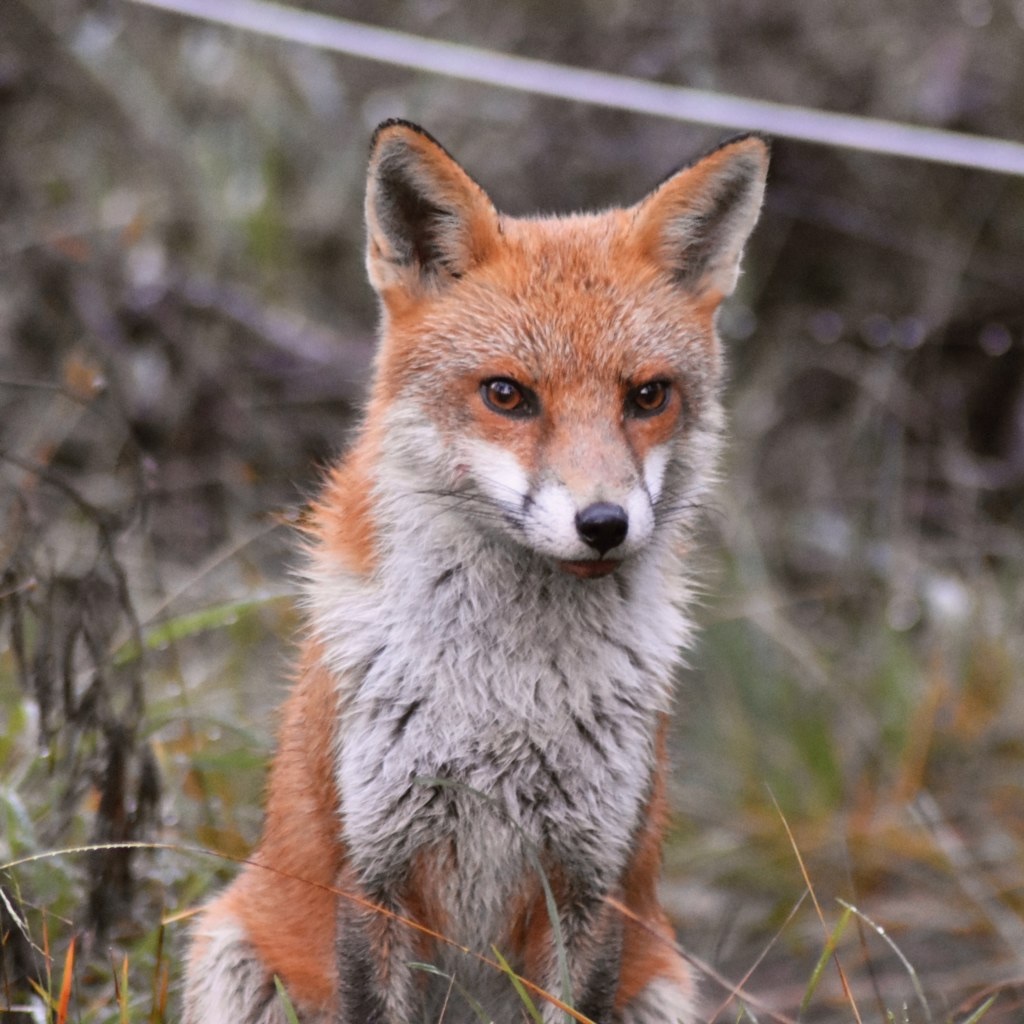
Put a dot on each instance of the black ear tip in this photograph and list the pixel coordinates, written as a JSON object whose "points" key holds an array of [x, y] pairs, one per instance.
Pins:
{"points": [[399, 122], [760, 152], [739, 138], [765, 140]]}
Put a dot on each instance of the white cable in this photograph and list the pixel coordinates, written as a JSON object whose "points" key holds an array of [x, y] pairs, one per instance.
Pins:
{"points": [[339, 35]]}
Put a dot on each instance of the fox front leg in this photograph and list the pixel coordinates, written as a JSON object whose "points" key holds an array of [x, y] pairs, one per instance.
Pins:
{"points": [[591, 934], [374, 950]]}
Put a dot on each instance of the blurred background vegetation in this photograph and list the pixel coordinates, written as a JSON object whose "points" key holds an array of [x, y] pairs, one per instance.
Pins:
{"points": [[185, 331]]}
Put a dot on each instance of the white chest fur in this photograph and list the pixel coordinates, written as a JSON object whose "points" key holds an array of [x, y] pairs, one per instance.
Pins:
{"points": [[495, 707]]}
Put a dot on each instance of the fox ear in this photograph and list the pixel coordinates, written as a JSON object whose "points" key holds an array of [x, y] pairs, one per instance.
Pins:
{"points": [[696, 223], [427, 220]]}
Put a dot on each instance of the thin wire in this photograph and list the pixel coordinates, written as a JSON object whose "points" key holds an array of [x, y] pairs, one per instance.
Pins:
{"points": [[679, 103]]}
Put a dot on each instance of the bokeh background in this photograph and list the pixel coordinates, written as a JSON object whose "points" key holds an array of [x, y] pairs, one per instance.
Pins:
{"points": [[185, 333]]}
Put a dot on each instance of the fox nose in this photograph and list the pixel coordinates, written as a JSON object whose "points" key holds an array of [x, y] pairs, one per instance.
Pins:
{"points": [[602, 525]]}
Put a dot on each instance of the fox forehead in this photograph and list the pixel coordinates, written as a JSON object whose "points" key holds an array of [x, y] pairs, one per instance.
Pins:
{"points": [[560, 300]]}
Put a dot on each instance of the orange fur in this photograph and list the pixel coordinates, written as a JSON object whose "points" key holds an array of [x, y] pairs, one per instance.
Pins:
{"points": [[285, 896]]}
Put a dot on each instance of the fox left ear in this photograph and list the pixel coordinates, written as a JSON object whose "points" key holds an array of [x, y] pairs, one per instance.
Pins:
{"points": [[696, 223], [427, 221]]}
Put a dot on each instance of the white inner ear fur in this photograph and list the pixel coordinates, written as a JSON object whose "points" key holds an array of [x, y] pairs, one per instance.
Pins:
{"points": [[427, 220], [701, 231], [718, 265]]}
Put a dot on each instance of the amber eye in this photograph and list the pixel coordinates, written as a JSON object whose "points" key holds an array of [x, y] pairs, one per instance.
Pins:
{"points": [[648, 399], [507, 397]]}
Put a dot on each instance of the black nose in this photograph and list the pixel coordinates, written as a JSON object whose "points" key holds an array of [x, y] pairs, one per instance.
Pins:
{"points": [[602, 525]]}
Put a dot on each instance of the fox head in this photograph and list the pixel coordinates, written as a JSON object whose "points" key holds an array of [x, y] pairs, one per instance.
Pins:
{"points": [[556, 378]]}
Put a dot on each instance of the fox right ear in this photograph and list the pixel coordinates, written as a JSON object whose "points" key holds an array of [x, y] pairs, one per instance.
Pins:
{"points": [[696, 223], [427, 221]]}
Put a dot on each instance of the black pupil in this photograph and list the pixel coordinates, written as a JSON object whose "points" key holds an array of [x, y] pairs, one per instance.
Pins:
{"points": [[504, 393], [650, 395]]}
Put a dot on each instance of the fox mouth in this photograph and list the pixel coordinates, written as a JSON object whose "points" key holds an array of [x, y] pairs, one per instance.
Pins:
{"points": [[590, 569]]}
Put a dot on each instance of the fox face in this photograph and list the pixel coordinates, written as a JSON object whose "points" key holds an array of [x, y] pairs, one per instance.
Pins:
{"points": [[555, 378]]}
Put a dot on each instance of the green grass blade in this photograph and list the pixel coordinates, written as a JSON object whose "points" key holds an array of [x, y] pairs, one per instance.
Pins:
{"points": [[531, 1007], [216, 616], [907, 965], [289, 1010], [826, 954], [980, 1011]]}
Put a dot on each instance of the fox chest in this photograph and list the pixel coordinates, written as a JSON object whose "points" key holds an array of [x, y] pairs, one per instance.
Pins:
{"points": [[492, 776]]}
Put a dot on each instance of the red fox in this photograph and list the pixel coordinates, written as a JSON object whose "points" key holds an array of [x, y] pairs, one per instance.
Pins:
{"points": [[472, 760]]}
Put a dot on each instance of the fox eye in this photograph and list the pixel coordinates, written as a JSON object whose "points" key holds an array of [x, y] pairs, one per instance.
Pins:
{"points": [[648, 399], [508, 398]]}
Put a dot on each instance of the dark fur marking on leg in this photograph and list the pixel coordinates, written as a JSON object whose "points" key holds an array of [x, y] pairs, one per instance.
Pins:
{"points": [[597, 997], [359, 984]]}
